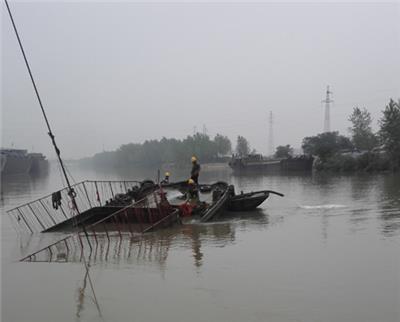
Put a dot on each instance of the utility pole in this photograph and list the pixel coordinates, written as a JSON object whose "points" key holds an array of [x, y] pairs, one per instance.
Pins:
{"points": [[271, 135], [204, 129], [327, 119]]}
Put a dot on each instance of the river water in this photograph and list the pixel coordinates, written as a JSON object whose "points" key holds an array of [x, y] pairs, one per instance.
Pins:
{"points": [[328, 251]]}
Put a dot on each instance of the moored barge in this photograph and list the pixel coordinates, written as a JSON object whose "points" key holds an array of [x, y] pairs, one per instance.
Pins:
{"points": [[259, 163]]}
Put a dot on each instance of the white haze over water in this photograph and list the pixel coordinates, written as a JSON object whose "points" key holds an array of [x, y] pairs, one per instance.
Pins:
{"points": [[112, 73]]}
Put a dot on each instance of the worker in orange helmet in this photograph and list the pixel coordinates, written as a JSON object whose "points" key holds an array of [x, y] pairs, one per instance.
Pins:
{"points": [[166, 178]]}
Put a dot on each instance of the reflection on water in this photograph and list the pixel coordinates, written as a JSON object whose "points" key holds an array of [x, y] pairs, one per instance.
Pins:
{"points": [[21, 186], [115, 249], [389, 202], [151, 249], [80, 303]]}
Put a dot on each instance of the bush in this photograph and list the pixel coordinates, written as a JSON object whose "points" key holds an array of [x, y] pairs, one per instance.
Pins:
{"points": [[369, 162]]}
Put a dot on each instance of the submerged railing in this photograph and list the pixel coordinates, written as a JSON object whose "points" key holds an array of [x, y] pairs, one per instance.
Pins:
{"points": [[44, 213], [141, 248], [150, 213]]}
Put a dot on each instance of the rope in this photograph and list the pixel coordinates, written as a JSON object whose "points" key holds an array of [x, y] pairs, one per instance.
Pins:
{"points": [[61, 175]]}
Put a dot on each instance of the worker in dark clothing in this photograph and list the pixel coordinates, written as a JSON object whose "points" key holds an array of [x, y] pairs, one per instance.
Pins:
{"points": [[194, 174], [192, 193]]}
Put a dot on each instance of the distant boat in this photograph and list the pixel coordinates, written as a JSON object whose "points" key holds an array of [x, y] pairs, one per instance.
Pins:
{"points": [[18, 161], [259, 163], [39, 163]]}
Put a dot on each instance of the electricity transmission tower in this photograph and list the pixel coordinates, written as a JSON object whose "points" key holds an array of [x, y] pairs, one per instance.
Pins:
{"points": [[327, 119], [204, 129]]}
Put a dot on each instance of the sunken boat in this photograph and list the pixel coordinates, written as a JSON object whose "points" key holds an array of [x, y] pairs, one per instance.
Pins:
{"points": [[140, 206], [96, 205], [101, 210], [115, 205]]}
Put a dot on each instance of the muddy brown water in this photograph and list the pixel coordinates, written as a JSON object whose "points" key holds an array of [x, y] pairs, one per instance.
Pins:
{"points": [[328, 251]]}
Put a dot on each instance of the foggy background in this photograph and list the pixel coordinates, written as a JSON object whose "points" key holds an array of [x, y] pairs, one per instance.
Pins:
{"points": [[114, 73]]}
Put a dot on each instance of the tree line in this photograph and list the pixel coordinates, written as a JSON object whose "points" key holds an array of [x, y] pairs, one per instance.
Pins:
{"points": [[170, 151], [364, 149]]}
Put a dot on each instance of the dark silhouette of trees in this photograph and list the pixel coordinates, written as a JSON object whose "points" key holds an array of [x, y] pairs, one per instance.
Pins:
{"points": [[223, 144], [283, 151], [325, 145], [156, 152], [242, 146], [362, 136], [390, 131]]}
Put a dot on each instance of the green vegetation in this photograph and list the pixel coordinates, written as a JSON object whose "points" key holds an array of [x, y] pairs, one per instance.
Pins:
{"points": [[156, 152], [283, 151], [365, 150], [223, 144], [366, 162], [390, 131], [242, 146], [326, 145], [362, 136]]}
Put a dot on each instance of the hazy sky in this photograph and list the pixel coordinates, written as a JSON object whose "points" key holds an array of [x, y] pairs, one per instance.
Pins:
{"points": [[113, 73]]}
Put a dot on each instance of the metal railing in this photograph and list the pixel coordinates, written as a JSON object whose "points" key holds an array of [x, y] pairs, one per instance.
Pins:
{"points": [[41, 214]]}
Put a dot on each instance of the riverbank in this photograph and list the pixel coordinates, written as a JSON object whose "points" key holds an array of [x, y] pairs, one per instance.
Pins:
{"points": [[353, 163]]}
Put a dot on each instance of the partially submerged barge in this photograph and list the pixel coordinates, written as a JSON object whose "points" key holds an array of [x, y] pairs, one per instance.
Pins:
{"points": [[129, 205], [96, 205], [101, 209]]}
